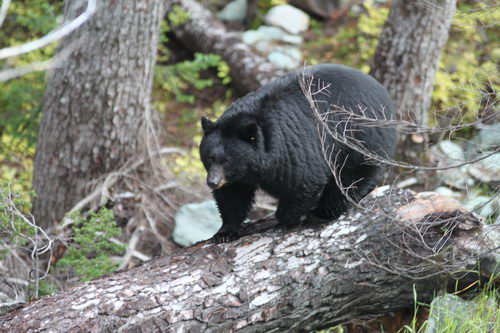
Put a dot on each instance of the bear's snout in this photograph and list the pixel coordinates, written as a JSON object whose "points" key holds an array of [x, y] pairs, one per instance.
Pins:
{"points": [[215, 177]]}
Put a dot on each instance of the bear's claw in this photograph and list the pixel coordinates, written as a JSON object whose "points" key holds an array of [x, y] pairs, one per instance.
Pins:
{"points": [[225, 237]]}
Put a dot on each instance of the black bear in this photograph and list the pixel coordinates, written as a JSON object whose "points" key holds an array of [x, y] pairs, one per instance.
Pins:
{"points": [[272, 139]]}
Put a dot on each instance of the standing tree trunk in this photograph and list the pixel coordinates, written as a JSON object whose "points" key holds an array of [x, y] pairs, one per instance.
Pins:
{"points": [[94, 104], [407, 58]]}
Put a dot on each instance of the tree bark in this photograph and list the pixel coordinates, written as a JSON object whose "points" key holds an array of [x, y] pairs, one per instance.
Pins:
{"points": [[361, 266], [94, 104], [407, 58], [203, 32]]}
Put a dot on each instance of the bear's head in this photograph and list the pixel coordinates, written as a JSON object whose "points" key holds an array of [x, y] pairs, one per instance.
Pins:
{"points": [[231, 149]]}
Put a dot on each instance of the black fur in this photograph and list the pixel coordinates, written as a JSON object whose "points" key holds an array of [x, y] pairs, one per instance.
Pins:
{"points": [[269, 139]]}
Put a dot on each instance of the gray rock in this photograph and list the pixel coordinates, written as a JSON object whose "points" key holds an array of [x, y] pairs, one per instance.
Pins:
{"points": [[491, 237], [489, 136], [448, 192], [234, 11], [456, 177], [481, 205], [289, 18], [451, 308], [268, 33], [196, 222], [452, 150], [486, 170], [284, 59], [266, 40], [447, 153]]}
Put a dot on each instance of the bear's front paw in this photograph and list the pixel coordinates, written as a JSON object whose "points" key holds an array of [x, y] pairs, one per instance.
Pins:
{"points": [[225, 236], [312, 218]]}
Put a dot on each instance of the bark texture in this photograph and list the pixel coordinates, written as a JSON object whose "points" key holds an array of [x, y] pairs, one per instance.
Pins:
{"points": [[408, 55], [203, 32], [94, 104], [357, 267]]}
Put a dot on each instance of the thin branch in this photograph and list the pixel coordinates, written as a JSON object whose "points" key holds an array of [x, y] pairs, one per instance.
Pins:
{"points": [[51, 37], [3, 10], [306, 84], [56, 61]]}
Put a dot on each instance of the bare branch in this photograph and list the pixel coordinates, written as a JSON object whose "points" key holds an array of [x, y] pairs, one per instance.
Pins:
{"points": [[349, 116], [23, 258], [38, 66], [51, 37], [3, 10]]}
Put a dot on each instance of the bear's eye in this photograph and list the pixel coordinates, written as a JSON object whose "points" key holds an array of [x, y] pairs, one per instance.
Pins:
{"points": [[248, 138], [248, 133]]}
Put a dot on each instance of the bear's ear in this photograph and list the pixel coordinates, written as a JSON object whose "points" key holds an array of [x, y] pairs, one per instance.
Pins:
{"points": [[206, 124], [248, 132]]}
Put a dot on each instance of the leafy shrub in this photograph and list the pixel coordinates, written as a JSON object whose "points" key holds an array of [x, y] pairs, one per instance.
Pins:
{"points": [[177, 16], [469, 62], [89, 253], [178, 78]]}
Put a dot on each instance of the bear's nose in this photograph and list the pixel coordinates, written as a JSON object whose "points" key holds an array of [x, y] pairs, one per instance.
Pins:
{"points": [[212, 184], [215, 177]]}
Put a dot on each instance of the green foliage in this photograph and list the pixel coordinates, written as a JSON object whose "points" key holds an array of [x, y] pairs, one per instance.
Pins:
{"points": [[178, 78], [89, 253], [46, 288], [469, 61], [354, 44], [177, 16], [163, 53], [21, 99], [16, 164], [316, 26], [20, 110], [224, 72], [27, 20], [485, 318]]}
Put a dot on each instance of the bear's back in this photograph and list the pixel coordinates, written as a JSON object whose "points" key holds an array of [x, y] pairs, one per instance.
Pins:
{"points": [[284, 111]]}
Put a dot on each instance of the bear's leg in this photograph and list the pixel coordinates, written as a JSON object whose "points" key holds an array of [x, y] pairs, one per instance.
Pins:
{"points": [[333, 202], [331, 205], [291, 211], [234, 202], [372, 179]]}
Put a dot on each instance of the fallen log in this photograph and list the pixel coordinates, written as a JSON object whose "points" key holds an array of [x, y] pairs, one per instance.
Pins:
{"points": [[363, 265], [203, 32]]}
